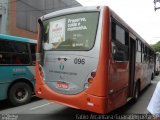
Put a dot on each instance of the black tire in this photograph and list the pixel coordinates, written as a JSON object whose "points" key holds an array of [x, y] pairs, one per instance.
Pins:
{"points": [[20, 93], [136, 92]]}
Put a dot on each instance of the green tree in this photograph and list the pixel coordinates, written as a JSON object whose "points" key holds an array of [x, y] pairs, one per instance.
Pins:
{"points": [[156, 46]]}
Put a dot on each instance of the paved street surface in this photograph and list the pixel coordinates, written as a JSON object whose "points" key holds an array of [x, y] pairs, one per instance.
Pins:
{"points": [[39, 109]]}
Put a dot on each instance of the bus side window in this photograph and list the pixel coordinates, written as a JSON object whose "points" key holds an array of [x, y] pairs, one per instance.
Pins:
{"points": [[2, 59], [119, 43], [21, 52], [6, 50], [16, 59], [138, 51], [120, 52]]}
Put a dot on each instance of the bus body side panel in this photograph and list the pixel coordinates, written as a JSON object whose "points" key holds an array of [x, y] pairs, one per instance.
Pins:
{"points": [[3, 89], [118, 85]]}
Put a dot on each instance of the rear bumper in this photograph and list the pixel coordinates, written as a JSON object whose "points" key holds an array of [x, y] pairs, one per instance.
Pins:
{"points": [[82, 101]]}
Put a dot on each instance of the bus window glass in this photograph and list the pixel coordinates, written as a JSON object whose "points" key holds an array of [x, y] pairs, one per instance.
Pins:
{"points": [[138, 51], [126, 38], [120, 34], [33, 51], [6, 46], [20, 47], [71, 32], [119, 51], [119, 43], [139, 45], [145, 54], [113, 31], [22, 55], [12, 52]]}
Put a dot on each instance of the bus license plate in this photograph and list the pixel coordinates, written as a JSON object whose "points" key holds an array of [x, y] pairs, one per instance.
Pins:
{"points": [[62, 85]]}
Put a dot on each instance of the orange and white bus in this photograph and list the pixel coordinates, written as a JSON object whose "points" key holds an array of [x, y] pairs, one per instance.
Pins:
{"points": [[89, 58]]}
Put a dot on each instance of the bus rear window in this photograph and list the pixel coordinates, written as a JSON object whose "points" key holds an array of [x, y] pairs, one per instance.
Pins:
{"points": [[71, 32]]}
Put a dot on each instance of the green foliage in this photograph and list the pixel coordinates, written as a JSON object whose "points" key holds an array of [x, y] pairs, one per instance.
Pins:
{"points": [[156, 46]]}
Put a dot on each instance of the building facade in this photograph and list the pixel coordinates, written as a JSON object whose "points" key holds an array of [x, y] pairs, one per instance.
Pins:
{"points": [[19, 17]]}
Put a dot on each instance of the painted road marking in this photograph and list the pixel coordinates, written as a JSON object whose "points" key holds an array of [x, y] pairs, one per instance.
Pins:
{"points": [[40, 106]]}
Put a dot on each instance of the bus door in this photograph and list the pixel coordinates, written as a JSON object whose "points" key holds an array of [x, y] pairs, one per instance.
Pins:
{"points": [[132, 54]]}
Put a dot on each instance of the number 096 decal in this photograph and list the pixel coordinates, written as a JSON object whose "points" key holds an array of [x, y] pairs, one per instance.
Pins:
{"points": [[79, 61]]}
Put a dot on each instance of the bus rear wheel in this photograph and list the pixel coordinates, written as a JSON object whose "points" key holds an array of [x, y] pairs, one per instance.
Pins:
{"points": [[20, 93]]}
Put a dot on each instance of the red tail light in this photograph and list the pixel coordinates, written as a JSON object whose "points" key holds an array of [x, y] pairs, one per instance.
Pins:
{"points": [[93, 74], [90, 80]]}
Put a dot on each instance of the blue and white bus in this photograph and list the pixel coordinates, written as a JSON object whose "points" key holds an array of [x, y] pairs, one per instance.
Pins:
{"points": [[17, 74]]}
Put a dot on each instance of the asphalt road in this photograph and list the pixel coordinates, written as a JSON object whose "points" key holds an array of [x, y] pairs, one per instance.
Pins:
{"points": [[39, 109]]}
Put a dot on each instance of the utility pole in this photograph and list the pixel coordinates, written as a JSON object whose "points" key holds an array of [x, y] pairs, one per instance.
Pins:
{"points": [[155, 4]]}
